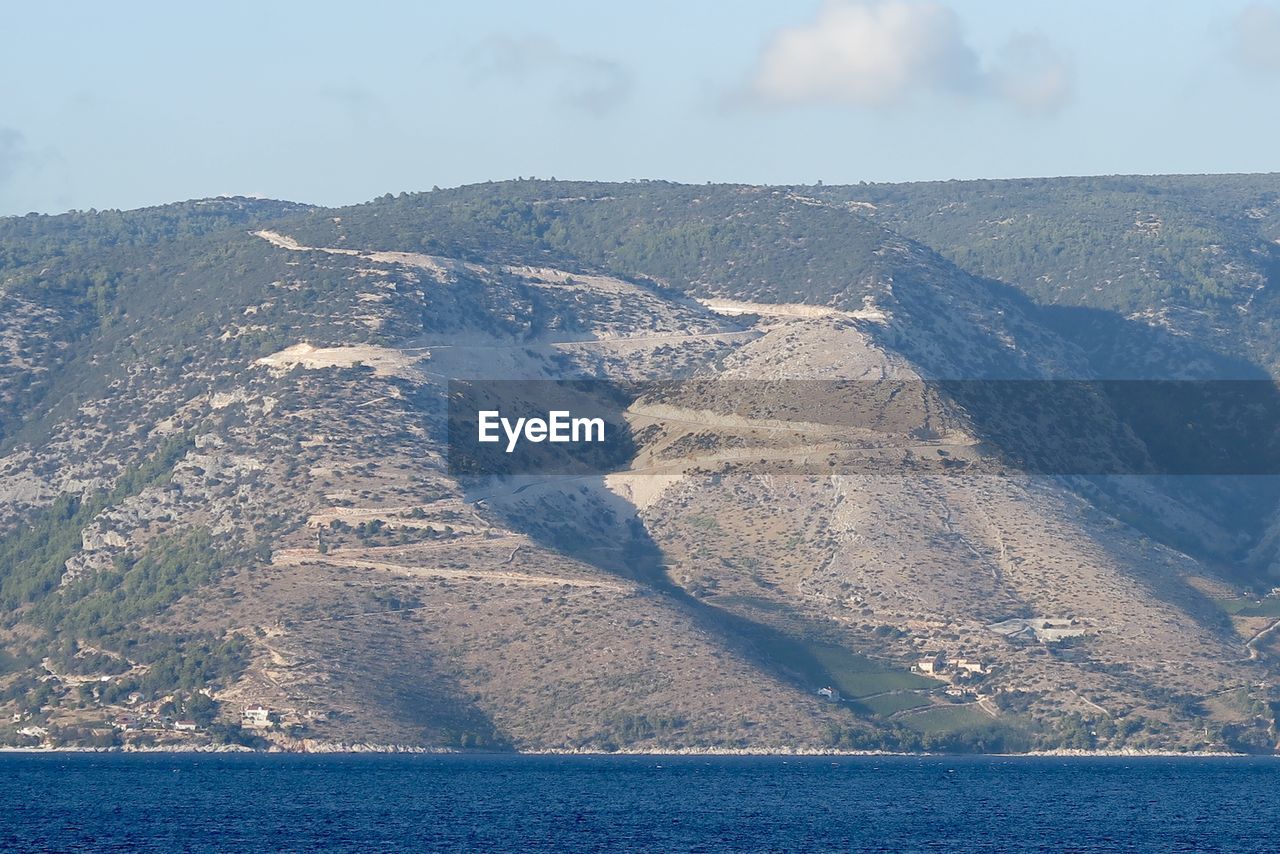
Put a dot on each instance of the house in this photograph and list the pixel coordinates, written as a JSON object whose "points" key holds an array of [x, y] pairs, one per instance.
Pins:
{"points": [[256, 716], [930, 664], [966, 667], [832, 694], [184, 726], [128, 723], [34, 731]]}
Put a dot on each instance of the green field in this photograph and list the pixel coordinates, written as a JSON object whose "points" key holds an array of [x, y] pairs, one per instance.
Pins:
{"points": [[885, 705], [945, 719], [853, 675], [857, 676], [1246, 607]]}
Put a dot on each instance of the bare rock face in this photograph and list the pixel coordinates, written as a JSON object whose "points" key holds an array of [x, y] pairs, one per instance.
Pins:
{"points": [[96, 540]]}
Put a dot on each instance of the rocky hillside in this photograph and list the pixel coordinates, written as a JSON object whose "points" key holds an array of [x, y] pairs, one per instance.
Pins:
{"points": [[229, 515]]}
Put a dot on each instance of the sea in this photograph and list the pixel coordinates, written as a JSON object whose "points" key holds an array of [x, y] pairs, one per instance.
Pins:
{"points": [[102, 802]]}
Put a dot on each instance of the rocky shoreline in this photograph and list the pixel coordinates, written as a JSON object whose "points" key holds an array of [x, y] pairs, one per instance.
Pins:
{"points": [[336, 748]]}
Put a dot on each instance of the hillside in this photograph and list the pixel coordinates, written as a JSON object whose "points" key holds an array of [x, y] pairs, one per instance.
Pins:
{"points": [[1194, 256], [225, 477]]}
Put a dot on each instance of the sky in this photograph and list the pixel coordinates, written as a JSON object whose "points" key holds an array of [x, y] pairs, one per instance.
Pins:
{"points": [[122, 105]]}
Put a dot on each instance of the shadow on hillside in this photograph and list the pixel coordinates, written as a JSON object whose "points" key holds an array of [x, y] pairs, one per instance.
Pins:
{"points": [[622, 547], [1242, 505], [1232, 407], [1218, 469]]}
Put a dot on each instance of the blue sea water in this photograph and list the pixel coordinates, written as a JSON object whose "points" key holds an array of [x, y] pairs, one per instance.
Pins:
{"points": [[279, 803]]}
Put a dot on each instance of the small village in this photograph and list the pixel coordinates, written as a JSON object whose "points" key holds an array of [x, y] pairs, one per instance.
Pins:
{"points": [[154, 726]]}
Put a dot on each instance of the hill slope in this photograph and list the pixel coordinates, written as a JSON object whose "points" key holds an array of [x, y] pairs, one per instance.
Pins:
{"points": [[225, 480]]}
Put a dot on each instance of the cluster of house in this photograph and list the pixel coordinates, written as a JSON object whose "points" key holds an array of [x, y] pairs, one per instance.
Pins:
{"points": [[141, 722], [1039, 629], [937, 663], [261, 717], [253, 717]]}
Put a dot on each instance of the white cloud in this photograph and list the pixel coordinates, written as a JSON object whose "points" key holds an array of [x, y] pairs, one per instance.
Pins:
{"points": [[581, 81], [867, 54], [882, 53], [1255, 38]]}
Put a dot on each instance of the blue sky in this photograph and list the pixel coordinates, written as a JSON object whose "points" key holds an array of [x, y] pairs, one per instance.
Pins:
{"points": [[128, 104]]}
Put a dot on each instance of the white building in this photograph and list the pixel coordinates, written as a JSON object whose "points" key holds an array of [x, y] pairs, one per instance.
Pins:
{"points": [[930, 664], [256, 716], [966, 665]]}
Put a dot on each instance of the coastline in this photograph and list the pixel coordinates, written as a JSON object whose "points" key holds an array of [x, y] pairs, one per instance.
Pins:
{"points": [[340, 749]]}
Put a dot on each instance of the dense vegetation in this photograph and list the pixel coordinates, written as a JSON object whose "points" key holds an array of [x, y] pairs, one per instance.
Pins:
{"points": [[102, 606], [751, 241], [69, 272], [1199, 252], [32, 557]]}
